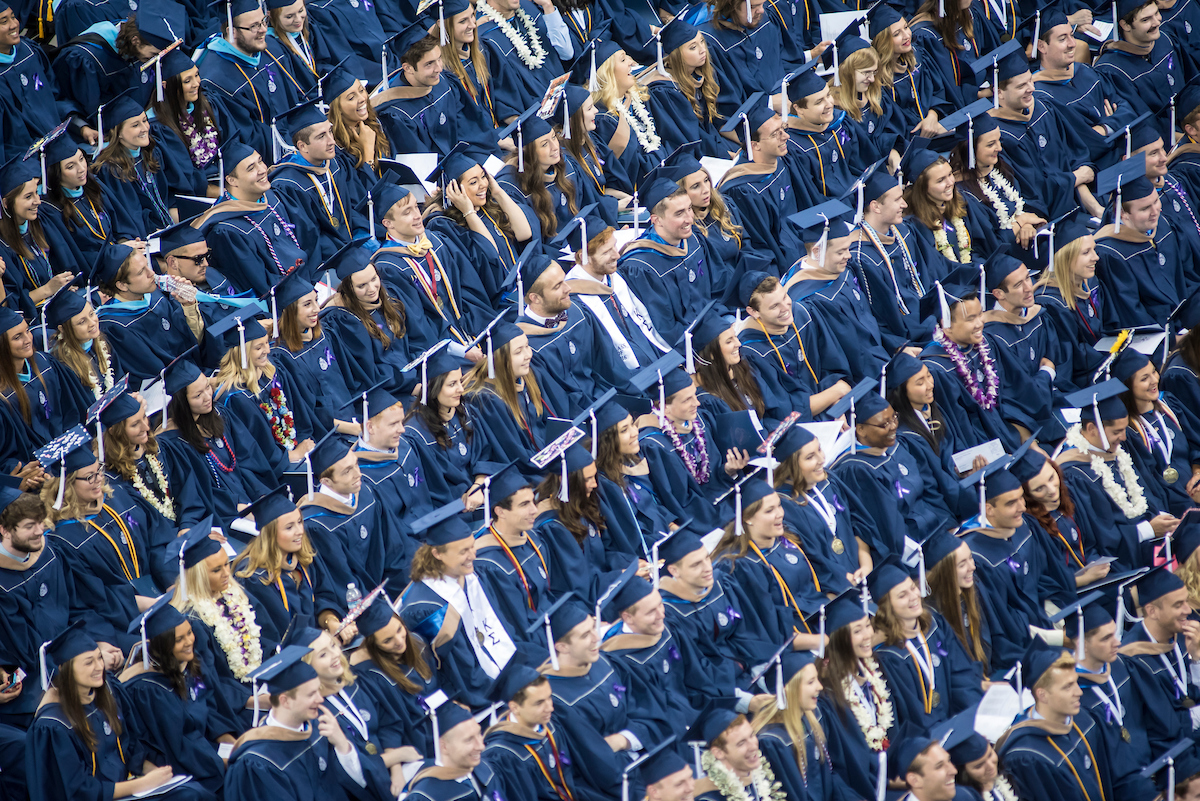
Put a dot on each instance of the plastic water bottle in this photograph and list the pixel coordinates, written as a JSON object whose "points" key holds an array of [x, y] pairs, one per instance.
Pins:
{"points": [[353, 596]]}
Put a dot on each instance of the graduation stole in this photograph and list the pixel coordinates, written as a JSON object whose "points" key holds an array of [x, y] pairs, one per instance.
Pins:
{"points": [[399, 93], [253, 92], [747, 168], [429, 284], [784, 590], [561, 789], [1183, 148], [494, 536], [1142, 51], [136, 572], [1126, 234]]}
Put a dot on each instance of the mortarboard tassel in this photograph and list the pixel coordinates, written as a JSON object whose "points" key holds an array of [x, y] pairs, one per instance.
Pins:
{"points": [[595, 431], [737, 510], [821, 633], [43, 667], [780, 689], [487, 501], [749, 15], [861, 192], [658, 61], [491, 358], [229, 20], [662, 395], [654, 564], [383, 68], [922, 580], [691, 353], [1037, 27], [584, 239], [42, 157], [837, 78], [100, 129], [566, 117], [45, 333], [443, 41], [550, 644], [274, 317], [746, 131], [62, 483], [182, 575], [520, 148], [822, 244], [145, 645], [371, 214], [593, 84], [308, 472], [437, 739], [366, 416], [242, 343], [1117, 208], [971, 144], [1079, 655], [995, 82], [943, 304], [564, 494], [100, 441], [636, 216], [1099, 423], [424, 382], [883, 382], [158, 78], [696, 746]]}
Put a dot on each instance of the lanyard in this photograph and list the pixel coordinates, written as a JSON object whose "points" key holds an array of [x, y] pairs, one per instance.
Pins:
{"points": [[784, 590], [825, 510], [253, 92], [351, 712], [925, 672], [512, 257], [1079, 559], [821, 161], [561, 789], [137, 571], [799, 344], [1180, 679], [867, 699], [517, 564], [1114, 704], [283, 595], [326, 202], [1095, 765]]}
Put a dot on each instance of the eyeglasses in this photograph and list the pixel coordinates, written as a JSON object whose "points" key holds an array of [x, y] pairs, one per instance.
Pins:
{"points": [[93, 479], [780, 133], [203, 257], [892, 422], [256, 27]]}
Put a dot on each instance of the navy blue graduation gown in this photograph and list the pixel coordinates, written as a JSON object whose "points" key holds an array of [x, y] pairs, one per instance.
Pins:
{"points": [[396, 480], [766, 197], [183, 175], [244, 406], [1113, 699], [142, 204], [818, 161], [937, 464], [1044, 152], [1076, 330], [419, 120], [355, 711], [363, 360], [971, 423], [255, 244], [853, 760], [673, 282], [492, 263], [585, 568], [844, 306], [89, 226], [146, 334], [817, 782], [949, 69], [795, 365], [214, 664], [305, 591], [27, 92], [1160, 440], [517, 438], [57, 401], [915, 94], [669, 669], [477, 110], [1166, 704], [448, 471], [678, 124], [744, 61], [683, 494], [349, 28], [874, 136], [572, 361], [1104, 528], [319, 389], [823, 521], [272, 762], [515, 86], [24, 274], [1147, 81], [251, 90], [633, 513], [518, 587], [526, 762], [781, 585], [479, 786], [319, 199], [1019, 343], [1033, 752], [625, 163], [1079, 102], [401, 718], [91, 72]]}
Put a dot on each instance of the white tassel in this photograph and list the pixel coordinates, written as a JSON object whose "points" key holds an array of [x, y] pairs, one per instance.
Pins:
{"points": [[491, 358], [220, 172], [383, 67], [780, 690], [1170, 143], [437, 740], [944, 304], [371, 214], [746, 131], [564, 493], [242, 343], [691, 354], [182, 575], [100, 441], [443, 41], [923, 582], [100, 125], [158, 79], [821, 633], [45, 333], [995, 83], [822, 244], [145, 645], [737, 510], [941, 14], [593, 84], [366, 417], [45, 670], [1116, 25], [1099, 424], [566, 117], [658, 60], [424, 382], [487, 502], [696, 746], [636, 221], [308, 471], [858, 215], [983, 521], [595, 432], [971, 144], [42, 156], [837, 78], [62, 483], [1117, 209], [881, 776], [584, 238], [520, 149], [654, 564], [749, 15], [1037, 28], [786, 103], [662, 394], [1079, 640], [550, 644]]}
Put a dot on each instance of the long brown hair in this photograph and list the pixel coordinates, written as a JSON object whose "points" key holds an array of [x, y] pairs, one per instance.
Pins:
{"points": [[888, 625], [391, 664], [12, 235], [733, 384], [394, 313], [952, 601], [430, 413], [349, 141], [426, 565], [291, 332], [117, 157], [735, 544], [788, 472], [532, 183], [924, 209], [1041, 514], [702, 81], [504, 385], [452, 61], [718, 212], [72, 706], [729, 14], [1188, 346], [162, 655], [580, 145], [10, 382], [193, 428], [609, 461], [582, 508], [840, 662], [174, 107], [889, 59], [954, 20], [69, 350]]}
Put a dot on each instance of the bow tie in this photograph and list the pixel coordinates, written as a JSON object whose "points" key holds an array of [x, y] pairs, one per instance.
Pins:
{"points": [[420, 247], [558, 319]]}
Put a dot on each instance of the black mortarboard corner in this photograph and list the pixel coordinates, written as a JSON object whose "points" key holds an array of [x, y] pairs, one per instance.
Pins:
{"points": [[1125, 178], [65, 646], [1077, 609], [160, 618], [284, 671], [673, 546], [799, 84], [659, 762]]}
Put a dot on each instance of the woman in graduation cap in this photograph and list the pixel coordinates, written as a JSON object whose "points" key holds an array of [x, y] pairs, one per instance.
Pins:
{"points": [[958, 225], [187, 130], [47, 396], [1068, 292], [465, 61], [727, 382], [390, 665], [872, 121], [366, 324], [251, 387], [292, 44], [575, 120], [900, 71], [178, 710], [762, 554], [954, 594], [77, 203], [128, 166], [79, 745], [944, 36], [818, 508], [623, 119], [931, 676], [356, 129], [683, 101], [79, 344], [39, 257], [224, 623], [542, 176]]}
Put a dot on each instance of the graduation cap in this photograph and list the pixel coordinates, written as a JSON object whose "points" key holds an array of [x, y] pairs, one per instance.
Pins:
{"points": [[102, 403], [993, 479], [718, 715], [241, 325], [436, 361], [234, 150], [881, 17], [848, 607], [898, 371], [328, 451], [1127, 132], [799, 84], [1156, 583], [790, 442], [1001, 66], [70, 451], [1119, 581], [397, 182], [887, 575], [193, 548], [672, 36], [1104, 400], [17, 172], [1125, 179], [235, 8], [1167, 760], [369, 403], [957, 735], [54, 147], [659, 184], [375, 613], [832, 219], [871, 185], [513, 677], [918, 158], [338, 81], [121, 409], [563, 615], [108, 263], [443, 525], [970, 123], [112, 114], [663, 373], [632, 590], [846, 404], [453, 165], [404, 41], [957, 287], [1039, 656], [10, 490], [1081, 616], [65, 646], [751, 115], [269, 508], [284, 671], [937, 547], [563, 448], [1061, 232], [999, 266], [905, 749], [708, 325], [10, 318], [847, 42], [529, 126], [1188, 99], [62, 306], [303, 115], [572, 98], [575, 232], [776, 661], [661, 761], [160, 618], [747, 491], [500, 486], [609, 410], [173, 237], [611, 591], [675, 545], [1186, 537], [291, 288], [583, 68]]}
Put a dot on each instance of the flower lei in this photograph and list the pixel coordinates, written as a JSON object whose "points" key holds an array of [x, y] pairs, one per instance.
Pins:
{"points": [[641, 122], [160, 502], [202, 145], [232, 619], [986, 397], [730, 786], [283, 425], [1001, 791], [1130, 498], [700, 471], [964, 241], [994, 181], [874, 732], [532, 59], [103, 383]]}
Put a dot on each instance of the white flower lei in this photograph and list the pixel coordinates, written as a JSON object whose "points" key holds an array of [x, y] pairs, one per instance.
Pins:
{"points": [[1130, 498], [995, 181], [532, 59], [1002, 791], [245, 655], [730, 786], [161, 503], [641, 122], [964, 241], [100, 385], [875, 733]]}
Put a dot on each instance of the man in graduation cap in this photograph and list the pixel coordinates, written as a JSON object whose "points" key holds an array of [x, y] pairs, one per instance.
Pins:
{"points": [[606, 716], [526, 45], [448, 606], [1184, 158], [821, 283], [1143, 65], [605, 294], [458, 773], [763, 186], [1178, 203], [800, 366], [525, 750], [254, 242], [574, 362], [1111, 503], [358, 536], [732, 760], [925, 769], [745, 46], [183, 253], [145, 327], [314, 185], [1056, 750], [288, 756], [814, 152], [27, 85], [419, 112], [251, 89]]}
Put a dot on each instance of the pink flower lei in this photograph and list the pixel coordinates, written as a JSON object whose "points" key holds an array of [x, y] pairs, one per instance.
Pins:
{"points": [[699, 471], [986, 398]]}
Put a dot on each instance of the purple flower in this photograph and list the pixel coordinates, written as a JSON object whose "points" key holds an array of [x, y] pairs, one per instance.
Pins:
{"points": [[619, 689], [733, 613], [673, 652]]}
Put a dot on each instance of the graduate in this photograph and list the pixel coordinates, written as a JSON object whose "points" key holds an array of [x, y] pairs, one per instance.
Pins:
{"points": [[211, 599], [820, 282], [357, 536], [188, 141], [250, 87], [129, 168], [293, 45], [514, 564], [254, 242], [449, 608], [26, 79], [953, 593], [184, 253], [418, 111], [457, 773], [43, 396], [945, 40], [1055, 731], [667, 266], [598, 705], [79, 345], [623, 119], [815, 153], [871, 120], [83, 205], [967, 377], [683, 101], [1068, 294], [464, 60], [763, 186], [524, 749], [522, 51], [1178, 204], [940, 212], [78, 745], [300, 750], [731, 758], [923, 766], [439, 428], [726, 383], [1115, 519], [281, 574], [812, 382], [175, 711], [745, 45], [573, 361], [360, 139]]}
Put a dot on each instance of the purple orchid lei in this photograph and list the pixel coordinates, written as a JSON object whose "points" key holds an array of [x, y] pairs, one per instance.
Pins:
{"points": [[696, 465], [987, 398]]}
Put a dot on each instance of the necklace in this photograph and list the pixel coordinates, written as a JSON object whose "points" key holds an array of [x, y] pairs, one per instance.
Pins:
{"points": [[873, 722], [275, 404], [1001, 791], [215, 461], [986, 396], [102, 384], [235, 630], [531, 53], [1130, 498], [641, 122], [160, 500], [993, 185], [964, 241], [697, 465], [731, 787]]}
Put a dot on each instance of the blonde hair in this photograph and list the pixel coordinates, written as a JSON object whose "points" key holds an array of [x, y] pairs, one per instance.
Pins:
{"points": [[69, 350], [72, 507], [607, 94], [1062, 274], [889, 59], [452, 61], [844, 96], [793, 718], [347, 674], [504, 384], [264, 553], [198, 590], [231, 376], [1189, 571]]}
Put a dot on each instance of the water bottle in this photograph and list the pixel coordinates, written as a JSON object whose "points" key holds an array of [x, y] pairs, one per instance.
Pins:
{"points": [[353, 596], [171, 285]]}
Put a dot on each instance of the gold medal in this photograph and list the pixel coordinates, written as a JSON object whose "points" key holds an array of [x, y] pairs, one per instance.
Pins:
{"points": [[935, 699], [1170, 475], [335, 222], [837, 546], [1125, 735], [479, 635], [371, 749]]}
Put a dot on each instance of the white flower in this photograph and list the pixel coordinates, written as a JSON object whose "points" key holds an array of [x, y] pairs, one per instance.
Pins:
{"points": [[1001, 791], [243, 651], [995, 181], [964, 241], [641, 122], [160, 500], [730, 786], [1130, 498], [874, 727], [532, 59]]}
